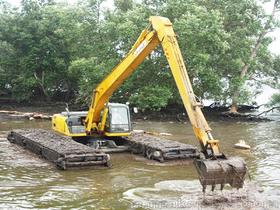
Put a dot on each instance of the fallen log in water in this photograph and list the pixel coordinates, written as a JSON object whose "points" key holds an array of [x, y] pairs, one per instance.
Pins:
{"points": [[28, 115], [242, 117]]}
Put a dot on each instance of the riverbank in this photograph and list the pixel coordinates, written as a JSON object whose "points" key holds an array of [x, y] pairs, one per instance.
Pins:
{"points": [[46, 110]]}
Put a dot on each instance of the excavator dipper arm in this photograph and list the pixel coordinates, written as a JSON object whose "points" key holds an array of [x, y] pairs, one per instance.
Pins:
{"points": [[216, 168]]}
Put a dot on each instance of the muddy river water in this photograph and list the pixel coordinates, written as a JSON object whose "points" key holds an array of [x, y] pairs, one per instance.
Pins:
{"points": [[28, 182]]}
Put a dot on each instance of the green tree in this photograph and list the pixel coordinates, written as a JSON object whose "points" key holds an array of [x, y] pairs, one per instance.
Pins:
{"points": [[126, 25], [152, 97], [54, 50], [38, 36], [275, 100], [248, 26]]}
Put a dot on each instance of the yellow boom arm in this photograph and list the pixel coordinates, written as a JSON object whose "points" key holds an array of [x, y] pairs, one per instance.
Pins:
{"points": [[161, 32]]}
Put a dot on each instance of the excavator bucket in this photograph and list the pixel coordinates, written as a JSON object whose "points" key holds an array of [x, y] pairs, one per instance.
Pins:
{"points": [[221, 171]]}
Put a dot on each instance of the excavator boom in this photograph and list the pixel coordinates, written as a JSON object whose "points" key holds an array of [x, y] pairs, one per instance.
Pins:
{"points": [[160, 31], [144, 45], [216, 168]]}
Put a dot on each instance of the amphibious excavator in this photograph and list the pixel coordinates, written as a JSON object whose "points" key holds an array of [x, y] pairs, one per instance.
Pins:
{"points": [[109, 123]]}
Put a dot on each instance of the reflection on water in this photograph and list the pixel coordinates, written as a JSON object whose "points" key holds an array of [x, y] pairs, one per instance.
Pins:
{"points": [[27, 181]]}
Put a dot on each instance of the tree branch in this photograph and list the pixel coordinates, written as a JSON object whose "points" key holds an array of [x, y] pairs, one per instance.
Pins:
{"points": [[264, 112], [253, 54]]}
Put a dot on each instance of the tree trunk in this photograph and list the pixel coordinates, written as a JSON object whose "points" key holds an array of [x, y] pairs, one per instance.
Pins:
{"points": [[41, 82], [244, 70], [234, 106]]}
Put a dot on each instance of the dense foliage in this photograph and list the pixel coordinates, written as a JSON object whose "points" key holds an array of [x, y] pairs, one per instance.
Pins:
{"points": [[275, 82], [275, 100], [50, 50]]}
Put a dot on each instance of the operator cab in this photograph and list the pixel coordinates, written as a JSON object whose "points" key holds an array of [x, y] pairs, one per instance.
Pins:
{"points": [[116, 119]]}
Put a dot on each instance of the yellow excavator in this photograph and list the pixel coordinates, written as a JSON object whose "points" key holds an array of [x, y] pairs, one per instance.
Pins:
{"points": [[106, 120]]}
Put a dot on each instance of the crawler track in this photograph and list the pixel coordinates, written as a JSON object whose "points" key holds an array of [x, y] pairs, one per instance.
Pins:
{"points": [[66, 153], [161, 149], [62, 151]]}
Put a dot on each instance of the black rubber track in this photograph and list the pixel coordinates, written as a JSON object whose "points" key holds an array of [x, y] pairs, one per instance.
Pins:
{"points": [[165, 149], [62, 151]]}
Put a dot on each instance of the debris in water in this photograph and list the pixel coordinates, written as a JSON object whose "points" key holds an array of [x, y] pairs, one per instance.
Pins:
{"points": [[242, 145], [165, 134], [28, 115]]}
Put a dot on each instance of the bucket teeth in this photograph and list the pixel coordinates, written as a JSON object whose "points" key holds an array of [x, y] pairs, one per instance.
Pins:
{"points": [[224, 171]]}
